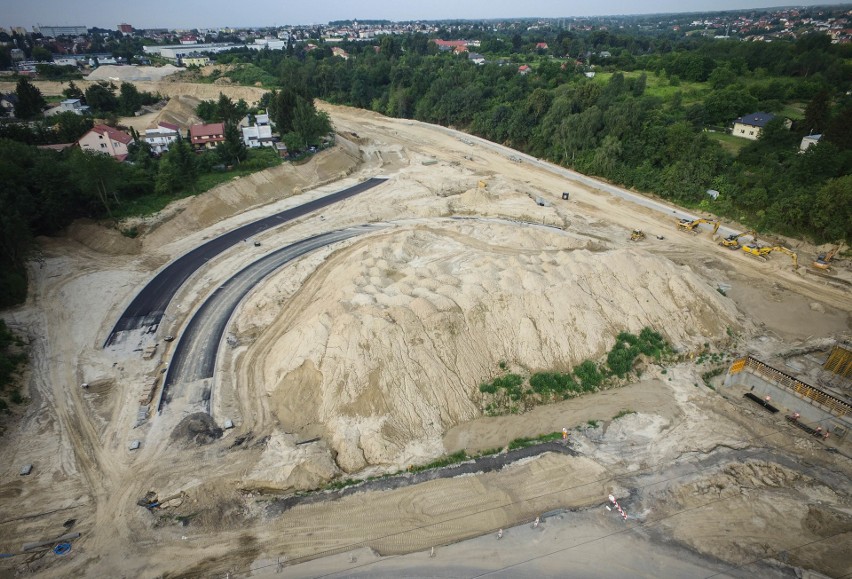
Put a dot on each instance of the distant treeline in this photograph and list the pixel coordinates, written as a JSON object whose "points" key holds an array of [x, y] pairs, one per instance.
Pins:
{"points": [[644, 127]]}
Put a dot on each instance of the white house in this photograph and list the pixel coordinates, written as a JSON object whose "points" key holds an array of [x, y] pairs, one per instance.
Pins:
{"points": [[75, 106], [161, 136], [808, 142], [257, 136], [106, 140], [749, 126]]}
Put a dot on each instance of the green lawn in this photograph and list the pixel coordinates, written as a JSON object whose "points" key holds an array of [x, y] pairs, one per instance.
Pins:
{"points": [[794, 111], [661, 87], [730, 143]]}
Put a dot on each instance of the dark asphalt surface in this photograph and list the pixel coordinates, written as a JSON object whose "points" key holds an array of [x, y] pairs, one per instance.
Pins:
{"points": [[149, 305], [194, 357], [483, 464]]}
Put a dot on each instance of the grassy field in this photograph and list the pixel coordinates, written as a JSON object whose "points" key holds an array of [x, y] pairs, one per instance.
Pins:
{"points": [[662, 87], [730, 143]]}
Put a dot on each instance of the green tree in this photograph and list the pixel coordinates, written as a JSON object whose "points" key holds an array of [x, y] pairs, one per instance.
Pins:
{"points": [[73, 91], [41, 54], [30, 102], [817, 112], [101, 98], [129, 99], [233, 150]]}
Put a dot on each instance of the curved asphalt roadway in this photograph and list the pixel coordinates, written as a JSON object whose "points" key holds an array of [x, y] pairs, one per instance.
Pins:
{"points": [[148, 306], [194, 357]]}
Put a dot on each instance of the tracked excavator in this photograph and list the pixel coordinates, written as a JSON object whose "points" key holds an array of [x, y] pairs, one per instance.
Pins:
{"points": [[692, 224], [762, 252], [733, 240], [824, 259]]}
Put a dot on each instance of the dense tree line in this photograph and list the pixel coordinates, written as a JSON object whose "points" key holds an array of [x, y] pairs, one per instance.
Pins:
{"points": [[619, 129]]}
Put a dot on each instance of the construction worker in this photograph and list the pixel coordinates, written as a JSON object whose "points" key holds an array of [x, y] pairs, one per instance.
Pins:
{"points": [[564, 434]]}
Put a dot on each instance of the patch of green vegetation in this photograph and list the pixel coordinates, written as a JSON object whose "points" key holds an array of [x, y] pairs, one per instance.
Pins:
{"points": [[729, 143], [454, 458], [510, 383], [623, 413], [628, 347], [257, 160], [593, 423], [590, 375], [554, 383], [503, 364], [708, 376], [525, 442]]}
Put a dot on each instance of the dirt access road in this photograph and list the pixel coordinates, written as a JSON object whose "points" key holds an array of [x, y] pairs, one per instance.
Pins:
{"points": [[377, 345]]}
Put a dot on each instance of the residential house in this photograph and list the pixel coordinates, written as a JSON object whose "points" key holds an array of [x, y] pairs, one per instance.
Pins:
{"points": [[808, 142], [524, 69], [161, 136], [7, 104], [75, 106], [541, 46], [106, 140], [749, 126], [207, 136], [257, 136], [337, 51], [476, 58]]}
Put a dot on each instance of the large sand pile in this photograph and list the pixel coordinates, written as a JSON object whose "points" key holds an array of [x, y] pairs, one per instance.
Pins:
{"points": [[386, 345], [132, 73]]}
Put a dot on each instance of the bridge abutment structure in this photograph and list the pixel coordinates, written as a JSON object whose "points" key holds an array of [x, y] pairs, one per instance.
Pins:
{"points": [[812, 406]]}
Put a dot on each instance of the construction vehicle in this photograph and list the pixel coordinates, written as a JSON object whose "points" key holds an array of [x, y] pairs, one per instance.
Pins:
{"points": [[692, 224], [637, 235], [762, 252], [733, 240], [824, 259]]}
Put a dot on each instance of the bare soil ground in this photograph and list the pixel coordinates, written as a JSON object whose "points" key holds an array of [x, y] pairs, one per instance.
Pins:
{"points": [[377, 347]]}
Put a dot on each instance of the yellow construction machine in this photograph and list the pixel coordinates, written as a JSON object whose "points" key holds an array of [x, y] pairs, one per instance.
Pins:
{"points": [[824, 259], [637, 235], [692, 224], [733, 240], [762, 252]]}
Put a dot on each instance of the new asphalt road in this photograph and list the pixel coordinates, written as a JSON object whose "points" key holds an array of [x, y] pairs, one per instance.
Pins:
{"points": [[194, 357], [148, 306]]}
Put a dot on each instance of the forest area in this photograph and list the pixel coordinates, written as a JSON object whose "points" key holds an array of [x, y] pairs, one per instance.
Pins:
{"points": [[653, 118]]}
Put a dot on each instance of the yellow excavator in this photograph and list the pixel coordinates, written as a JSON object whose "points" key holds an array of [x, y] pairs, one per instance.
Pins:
{"points": [[692, 224], [762, 252], [637, 235], [733, 240], [824, 259]]}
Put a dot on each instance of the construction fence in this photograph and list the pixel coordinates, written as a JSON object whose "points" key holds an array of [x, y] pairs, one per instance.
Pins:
{"points": [[810, 394]]}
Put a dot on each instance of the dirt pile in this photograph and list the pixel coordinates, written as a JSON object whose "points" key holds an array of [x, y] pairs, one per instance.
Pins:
{"points": [[132, 73], [387, 344], [198, 428], [755, 511]]}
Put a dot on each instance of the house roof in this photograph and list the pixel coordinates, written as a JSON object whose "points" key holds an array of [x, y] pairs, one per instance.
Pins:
{"points": [[211, 130], [169, 126], [113, 134], [755, 119]]}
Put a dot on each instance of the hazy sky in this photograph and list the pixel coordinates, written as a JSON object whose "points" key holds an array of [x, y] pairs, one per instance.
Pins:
{"points": [[217, 13]]}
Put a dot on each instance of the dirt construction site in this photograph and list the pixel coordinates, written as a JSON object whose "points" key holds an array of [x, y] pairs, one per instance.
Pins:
{"points": [[360, 359]]}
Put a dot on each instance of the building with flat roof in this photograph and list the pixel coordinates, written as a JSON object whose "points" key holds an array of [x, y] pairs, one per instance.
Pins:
{"points": [[54, 31]]}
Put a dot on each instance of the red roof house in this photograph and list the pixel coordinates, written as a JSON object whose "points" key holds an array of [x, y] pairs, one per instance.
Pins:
{"points": [[106, 140], [207, 136]]}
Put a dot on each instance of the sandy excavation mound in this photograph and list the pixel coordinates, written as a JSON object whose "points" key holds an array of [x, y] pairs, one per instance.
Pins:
{"points": [[132, 73], [180, 111], [384, 348]]}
